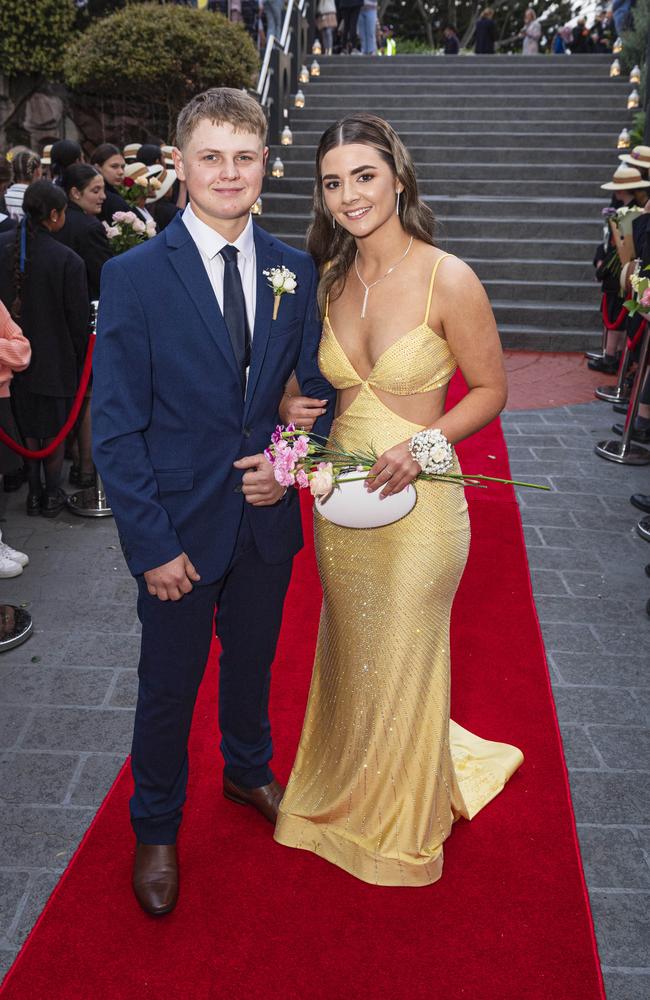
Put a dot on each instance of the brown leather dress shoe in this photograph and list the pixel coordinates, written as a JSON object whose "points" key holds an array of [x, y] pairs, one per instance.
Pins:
{"points": [[266, 799], [155, 878]]}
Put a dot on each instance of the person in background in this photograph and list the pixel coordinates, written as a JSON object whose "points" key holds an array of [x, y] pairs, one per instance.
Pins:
{"points": [[6, 222], [485, 34], [150, 153], [43, 284], [326, 22], [163, 206], [530, 33], [581, 42], [15, 355], [452, 45], [603, 32], [25, 168], [622, 13], [64, 154], [273, 14], [350, 10], [367, 27], [85, 234], [108, 159]]}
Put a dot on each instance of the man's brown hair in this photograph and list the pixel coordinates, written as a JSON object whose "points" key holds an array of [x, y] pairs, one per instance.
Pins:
{"points": [[221, 105]]}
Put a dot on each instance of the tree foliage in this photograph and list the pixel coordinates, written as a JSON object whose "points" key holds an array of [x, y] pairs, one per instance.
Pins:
{"points": [[161, 54], [33, 36]]}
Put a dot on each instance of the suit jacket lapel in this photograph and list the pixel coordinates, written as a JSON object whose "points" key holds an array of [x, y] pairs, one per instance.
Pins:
{"points": [[186, 261], [266, 258]]}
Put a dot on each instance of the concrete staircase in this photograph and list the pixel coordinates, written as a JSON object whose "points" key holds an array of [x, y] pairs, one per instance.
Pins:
{"points": [[510, 153]]}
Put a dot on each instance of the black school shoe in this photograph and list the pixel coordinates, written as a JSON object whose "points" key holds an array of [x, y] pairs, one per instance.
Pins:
{"points": [[53, 503], [642, 502], [606, 365], [639, 434], [33, 504]]}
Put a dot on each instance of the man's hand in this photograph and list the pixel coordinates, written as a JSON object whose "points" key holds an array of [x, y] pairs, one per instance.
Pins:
{"points": [[259, 485], [170, 581], [303, 411]]}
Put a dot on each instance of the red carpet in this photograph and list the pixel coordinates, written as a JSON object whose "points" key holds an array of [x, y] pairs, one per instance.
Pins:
{"points": [[508, 921]]}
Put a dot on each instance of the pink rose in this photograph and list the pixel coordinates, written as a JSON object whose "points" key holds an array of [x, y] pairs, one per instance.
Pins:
{"points": [[119, 216], [322, 481]]}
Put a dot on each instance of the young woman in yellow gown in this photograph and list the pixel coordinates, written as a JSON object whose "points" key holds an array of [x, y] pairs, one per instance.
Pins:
{"points": [[382, 772]]}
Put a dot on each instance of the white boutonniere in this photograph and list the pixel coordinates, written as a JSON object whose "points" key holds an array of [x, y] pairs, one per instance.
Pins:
{"points": [[281, 280]]}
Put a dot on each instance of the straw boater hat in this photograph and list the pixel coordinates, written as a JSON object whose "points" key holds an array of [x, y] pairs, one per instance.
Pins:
{"points": [[625, 178], [639, 157], [135, 170], [167, 153], [46, 155], [130, 151], [165, 179]]}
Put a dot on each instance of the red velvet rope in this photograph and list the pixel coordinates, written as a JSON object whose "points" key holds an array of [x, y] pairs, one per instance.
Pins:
{"points": [[72, 417], [620, 319], [632, 342]]}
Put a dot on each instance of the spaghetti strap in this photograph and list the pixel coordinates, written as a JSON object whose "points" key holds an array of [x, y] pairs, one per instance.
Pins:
{"points": [[433, 278], [327, 298]]}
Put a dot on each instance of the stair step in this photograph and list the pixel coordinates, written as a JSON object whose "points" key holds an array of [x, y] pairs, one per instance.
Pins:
{"points": [[516, 336], [456, 139], [425, 153], [425, 120], [554, 272], [545, 293], [560, 316]]}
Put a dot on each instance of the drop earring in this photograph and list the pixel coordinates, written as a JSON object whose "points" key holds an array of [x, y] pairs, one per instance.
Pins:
{"points": [[398, 198], [333, 222]]}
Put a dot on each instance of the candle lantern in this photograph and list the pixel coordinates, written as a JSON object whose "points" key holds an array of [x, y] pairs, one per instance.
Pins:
{"points": [[277, 170], [257, 207], [617, 48], [635, 75], [624, 139], [303, 76], [299, 100], [314, 69], [633, 100], [316, 48], [615, 68], [287, 136]]}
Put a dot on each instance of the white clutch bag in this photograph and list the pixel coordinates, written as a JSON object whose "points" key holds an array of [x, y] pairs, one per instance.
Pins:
{"points": [[351, 506]]}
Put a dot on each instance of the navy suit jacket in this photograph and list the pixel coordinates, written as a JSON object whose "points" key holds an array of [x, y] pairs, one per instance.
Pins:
{"points": [[167, 411]]}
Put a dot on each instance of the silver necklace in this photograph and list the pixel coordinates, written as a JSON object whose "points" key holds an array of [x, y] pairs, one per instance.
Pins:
{"points": [[368, 287]]}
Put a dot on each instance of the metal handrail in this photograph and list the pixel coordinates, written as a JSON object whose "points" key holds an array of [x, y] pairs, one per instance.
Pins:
{"points": [[285, 36]]}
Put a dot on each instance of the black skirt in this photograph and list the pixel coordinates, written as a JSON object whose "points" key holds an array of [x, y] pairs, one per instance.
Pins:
{"points": [[40, 416], [10, 461]]}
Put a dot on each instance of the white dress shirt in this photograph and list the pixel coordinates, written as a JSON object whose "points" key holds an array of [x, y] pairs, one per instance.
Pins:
{"points": [[210, 243]]}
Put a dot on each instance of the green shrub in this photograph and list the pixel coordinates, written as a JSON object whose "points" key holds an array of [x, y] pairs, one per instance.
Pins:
{"points": [[33, 36], [159, 54]]}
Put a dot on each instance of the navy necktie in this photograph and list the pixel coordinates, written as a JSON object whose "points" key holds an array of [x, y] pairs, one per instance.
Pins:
{"points": [[234, 311]]}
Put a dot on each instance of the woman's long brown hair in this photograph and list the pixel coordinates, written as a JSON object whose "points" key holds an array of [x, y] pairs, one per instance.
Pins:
{"points": [[336, 246]]}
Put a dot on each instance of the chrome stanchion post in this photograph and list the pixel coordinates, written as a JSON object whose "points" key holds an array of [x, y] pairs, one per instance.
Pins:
{"points": [[16, 626], [618, 392], [92, 501], [597, 355], [625, 451]]}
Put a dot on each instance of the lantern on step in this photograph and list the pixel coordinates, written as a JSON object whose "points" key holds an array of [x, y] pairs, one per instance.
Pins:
{"points": [[633, 100], [286, 137], [314, 69], [617, 47], [316, 48], [624, 140], [303, 76], [635, 75], [277, 170], [615, 68], [257, 207], [299, 100]]}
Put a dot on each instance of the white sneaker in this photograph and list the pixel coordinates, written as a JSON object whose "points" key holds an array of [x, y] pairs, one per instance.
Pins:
{"points": [[6, 552], [9, 568]]}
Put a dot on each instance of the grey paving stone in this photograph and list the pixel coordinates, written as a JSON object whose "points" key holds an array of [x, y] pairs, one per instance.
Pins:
{"points": [[578, 750], [539, 516], [570, 638], [547, 581], [7, 956], [96, 778], [578, 538], [643, 696], [516, 417], [623, 746], [102, 651], [557, 500], [584, 584], [584, 485], [40, 890], [40, 837], [627, 985], [34, 684], [612, 858], [602, 668], [607, 797], [13, 885], [122, 590], [12, 721], [47, 646], [74, 728], [545, 557], [529, 437], [622, 928], [580, 609], [125, 692], [37, 778], [583, 705], [624, 639]]}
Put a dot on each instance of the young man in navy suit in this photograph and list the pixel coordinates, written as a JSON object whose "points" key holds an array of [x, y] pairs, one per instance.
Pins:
{"points": [[190, 367]]}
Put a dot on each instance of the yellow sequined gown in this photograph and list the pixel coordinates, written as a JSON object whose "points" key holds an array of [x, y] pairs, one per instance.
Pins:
{"points": [[382, 772]]}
